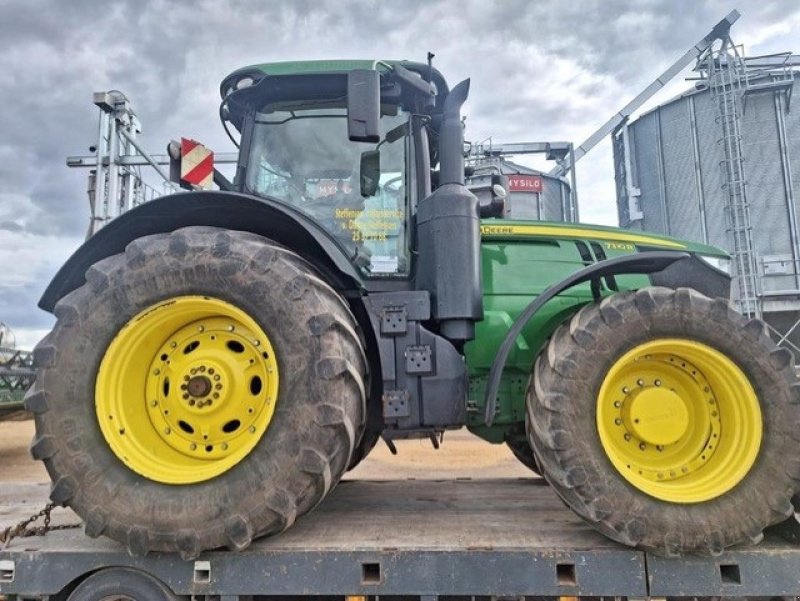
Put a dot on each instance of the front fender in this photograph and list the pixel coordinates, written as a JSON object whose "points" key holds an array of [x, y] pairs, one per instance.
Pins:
{"points": [[231, 210], [644, 262]]}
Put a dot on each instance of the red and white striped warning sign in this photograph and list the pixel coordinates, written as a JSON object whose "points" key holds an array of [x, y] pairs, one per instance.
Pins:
{"points": [[197, 164]]}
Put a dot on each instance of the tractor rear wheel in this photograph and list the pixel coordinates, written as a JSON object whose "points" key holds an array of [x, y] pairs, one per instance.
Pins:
{"points": [[668, 421], [203, 388]]}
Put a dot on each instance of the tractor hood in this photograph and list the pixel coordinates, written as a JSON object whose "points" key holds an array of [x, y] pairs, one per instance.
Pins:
{"points": [[503, 229]]}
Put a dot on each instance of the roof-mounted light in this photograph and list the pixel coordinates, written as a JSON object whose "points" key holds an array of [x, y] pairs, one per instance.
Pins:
{"points": [[244, 82]]}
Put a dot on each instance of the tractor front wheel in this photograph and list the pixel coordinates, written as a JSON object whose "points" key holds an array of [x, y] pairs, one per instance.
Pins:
{"points": [[202, 388], [668, 421]]}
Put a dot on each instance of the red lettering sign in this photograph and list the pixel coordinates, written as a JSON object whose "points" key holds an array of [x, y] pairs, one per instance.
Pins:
{"points": [[525, 183]]}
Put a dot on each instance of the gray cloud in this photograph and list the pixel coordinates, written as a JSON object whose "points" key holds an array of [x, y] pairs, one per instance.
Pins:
{"points": [[541, 70]]}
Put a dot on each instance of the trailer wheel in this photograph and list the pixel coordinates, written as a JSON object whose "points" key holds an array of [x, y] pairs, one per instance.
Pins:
{"points": [[203, 388], [121, 583], [668, 421]]}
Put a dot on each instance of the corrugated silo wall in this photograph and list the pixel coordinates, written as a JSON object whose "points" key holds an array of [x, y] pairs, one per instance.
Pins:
{"points": [[547, 205], [677, 164], [551, 204]]}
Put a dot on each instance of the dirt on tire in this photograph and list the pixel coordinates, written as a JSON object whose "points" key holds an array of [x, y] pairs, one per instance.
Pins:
{"points": [[562, 407], [319, 416]]}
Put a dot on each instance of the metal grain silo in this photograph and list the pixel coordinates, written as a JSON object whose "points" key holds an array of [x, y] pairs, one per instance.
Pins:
{"points": [[720, 164], [532, 194]]}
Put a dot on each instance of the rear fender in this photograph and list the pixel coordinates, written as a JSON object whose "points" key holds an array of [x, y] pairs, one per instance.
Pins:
{"points": [[230, 210]]}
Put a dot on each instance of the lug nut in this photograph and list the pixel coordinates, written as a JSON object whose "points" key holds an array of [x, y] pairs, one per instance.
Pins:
{"points": [[640, 382], [617, 404], [618, 421], [192, 447], [625, 390], [627, 436], [658, 382], [642, 446]]}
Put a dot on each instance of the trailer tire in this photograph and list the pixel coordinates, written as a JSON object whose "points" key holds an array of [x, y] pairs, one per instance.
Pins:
{"points": [[289, 431], [665, 349], [121, 583]]}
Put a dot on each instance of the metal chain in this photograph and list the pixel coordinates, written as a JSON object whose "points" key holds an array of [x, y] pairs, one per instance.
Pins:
{"points": [[23, 529]]}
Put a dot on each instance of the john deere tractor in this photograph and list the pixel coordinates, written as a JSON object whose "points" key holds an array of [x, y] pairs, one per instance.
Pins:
{"points": [[221, 358]]}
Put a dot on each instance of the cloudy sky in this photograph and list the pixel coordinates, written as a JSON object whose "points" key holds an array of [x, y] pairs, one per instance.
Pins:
{"points": [[540, 69]]}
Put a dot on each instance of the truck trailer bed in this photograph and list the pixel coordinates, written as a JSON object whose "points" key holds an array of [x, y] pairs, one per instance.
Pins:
{"points": [[507, 537]]}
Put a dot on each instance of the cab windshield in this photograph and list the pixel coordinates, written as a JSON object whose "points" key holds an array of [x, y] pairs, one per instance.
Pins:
{"points": [[304, 158]]}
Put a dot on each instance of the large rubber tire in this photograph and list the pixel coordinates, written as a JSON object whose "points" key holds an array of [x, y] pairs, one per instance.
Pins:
{"points": [[318, 417], [364, 448], [522, 450], [563, 411]]}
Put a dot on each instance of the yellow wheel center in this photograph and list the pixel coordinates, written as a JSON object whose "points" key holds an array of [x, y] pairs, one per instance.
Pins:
{"points": [[679, 420], [186, 389], [658, 416]]}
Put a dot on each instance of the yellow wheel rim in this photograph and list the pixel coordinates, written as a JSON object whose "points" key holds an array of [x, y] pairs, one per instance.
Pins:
{"points": [[679, 420], [186, 389]]}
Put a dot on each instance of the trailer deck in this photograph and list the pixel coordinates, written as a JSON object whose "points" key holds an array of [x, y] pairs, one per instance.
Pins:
{"points": [[429, 538]]}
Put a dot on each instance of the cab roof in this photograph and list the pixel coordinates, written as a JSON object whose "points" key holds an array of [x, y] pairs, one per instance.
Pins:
{"points": [[330, 67]]}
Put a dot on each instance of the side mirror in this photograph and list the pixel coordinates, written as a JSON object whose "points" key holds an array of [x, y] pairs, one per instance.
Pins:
{"points": [[370, 172], [364, 106], [496, 207]]}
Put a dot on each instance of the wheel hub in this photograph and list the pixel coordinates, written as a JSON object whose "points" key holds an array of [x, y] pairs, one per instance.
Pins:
{"points": [[658, 416], [679, 420], [198, 386], [209, 392]]}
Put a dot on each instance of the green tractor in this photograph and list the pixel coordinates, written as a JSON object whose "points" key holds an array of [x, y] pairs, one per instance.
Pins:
{"points": [[221, 358]]}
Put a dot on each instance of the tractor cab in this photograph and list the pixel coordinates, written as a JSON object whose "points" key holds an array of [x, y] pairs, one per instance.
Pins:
{"points": [[341, 142]]}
